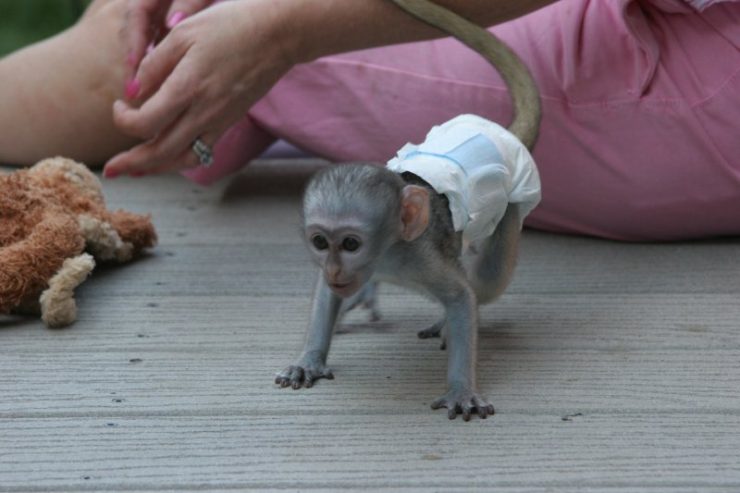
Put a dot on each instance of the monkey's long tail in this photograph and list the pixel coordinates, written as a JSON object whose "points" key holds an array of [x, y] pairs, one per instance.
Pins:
{"points": [[524, 94]]}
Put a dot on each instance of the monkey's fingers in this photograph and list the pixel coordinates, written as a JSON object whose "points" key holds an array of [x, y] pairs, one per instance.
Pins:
{"points": [[313, 375], [440, 403], [427, 333], [464, 402], [296, 376], [282, 381], [284, 377], [374, 315], [484, 408], [485, 411], [433, 331]]}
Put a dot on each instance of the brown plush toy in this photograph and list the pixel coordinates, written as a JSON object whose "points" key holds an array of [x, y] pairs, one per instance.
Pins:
{"points": [[50, 216]]}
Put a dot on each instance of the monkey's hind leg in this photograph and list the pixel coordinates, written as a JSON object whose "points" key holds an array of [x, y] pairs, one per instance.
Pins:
{"points": [[461, 311], [494, 266]]}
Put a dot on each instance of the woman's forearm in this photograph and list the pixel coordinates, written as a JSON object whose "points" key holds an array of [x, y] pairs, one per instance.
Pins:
{"points": [[214, 66], [316, 28]]}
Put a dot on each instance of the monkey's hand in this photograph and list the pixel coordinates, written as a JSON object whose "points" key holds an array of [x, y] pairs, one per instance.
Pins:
{"points": [[309, 368], [463, 401]]}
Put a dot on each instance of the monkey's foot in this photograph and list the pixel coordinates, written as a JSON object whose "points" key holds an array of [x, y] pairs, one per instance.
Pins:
{"points": [[465, 402], [303, 374], [436, 330]]}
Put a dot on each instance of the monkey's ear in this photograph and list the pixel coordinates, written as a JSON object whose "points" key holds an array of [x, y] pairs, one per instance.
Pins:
{"points": [[414, 211]]}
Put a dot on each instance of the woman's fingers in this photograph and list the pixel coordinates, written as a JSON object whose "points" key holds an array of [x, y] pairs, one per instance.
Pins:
{"points": [[165, 150], [169, 101], [172, 150], [143, 17], [146, 22], [188, 158], [182, 9], [160, 64], [153, 66], [149, 158]]}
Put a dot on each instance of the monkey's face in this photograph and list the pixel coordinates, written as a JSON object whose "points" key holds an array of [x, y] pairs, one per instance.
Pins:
{"points": [[345, 251]]}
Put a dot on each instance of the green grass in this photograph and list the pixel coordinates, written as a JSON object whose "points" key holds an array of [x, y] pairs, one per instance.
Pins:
{"points": [[25, 21]]}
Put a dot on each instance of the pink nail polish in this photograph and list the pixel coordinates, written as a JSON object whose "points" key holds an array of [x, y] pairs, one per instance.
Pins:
{"points": [[110, 174], [175, 19], [150, 48], [132, 88]]}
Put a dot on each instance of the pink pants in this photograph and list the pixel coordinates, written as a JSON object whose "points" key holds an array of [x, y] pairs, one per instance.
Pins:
{"points": [[640, 136]]}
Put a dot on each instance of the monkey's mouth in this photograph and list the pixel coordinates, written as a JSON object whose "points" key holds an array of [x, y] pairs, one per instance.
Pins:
{"points": [[343, 289]]}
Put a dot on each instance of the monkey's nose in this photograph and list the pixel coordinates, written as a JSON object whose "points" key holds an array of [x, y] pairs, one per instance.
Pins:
{"points": [[333, 273]]}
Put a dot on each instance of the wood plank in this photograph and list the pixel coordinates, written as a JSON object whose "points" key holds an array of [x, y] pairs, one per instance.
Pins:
{"points": [[516, 322], [609, 452], [176, 370]]}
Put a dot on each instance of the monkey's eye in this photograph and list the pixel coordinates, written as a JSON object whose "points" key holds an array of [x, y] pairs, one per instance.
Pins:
{"points": [[351, 244], [319, 242]]}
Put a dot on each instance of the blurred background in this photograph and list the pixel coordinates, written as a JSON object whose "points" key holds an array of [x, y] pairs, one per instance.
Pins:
{"points": [[24, 21]]}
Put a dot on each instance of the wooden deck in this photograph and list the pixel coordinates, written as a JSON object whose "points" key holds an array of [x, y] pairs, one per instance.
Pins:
{"points": [[613, 367]]}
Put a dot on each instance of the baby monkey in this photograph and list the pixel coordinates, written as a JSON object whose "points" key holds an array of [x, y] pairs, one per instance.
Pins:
{"points": [[365, 223]]}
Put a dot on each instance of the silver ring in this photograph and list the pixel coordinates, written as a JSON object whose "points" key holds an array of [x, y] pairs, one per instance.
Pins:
{"points": [[204, 153]]}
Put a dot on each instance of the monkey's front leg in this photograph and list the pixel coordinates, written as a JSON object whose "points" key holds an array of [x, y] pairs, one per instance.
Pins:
{"points": [[462, 396], [311, 364]]}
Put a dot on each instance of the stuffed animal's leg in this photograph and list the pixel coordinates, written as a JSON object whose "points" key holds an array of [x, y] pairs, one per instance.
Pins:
{"points": [[103, 240], [58, 307]]}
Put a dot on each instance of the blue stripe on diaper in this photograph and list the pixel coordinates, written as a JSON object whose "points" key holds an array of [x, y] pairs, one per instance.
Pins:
{"points": [[469, 155]]}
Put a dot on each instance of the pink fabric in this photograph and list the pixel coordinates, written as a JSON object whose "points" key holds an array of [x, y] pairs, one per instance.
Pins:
{"points": [[640, 138]]}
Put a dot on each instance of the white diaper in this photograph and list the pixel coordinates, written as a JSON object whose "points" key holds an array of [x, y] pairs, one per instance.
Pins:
{"points": [[480, 166]]}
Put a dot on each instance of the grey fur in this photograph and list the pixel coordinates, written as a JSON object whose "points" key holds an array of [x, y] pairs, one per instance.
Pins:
{"points": [[430, 264], [356, 189], [365, 201]]}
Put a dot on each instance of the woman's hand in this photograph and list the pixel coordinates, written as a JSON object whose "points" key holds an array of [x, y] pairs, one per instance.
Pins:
{"points": [[202, 77], [146, 22]]}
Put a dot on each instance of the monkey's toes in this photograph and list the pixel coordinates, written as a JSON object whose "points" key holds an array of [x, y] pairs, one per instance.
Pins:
{"points": [[436, 330], [298, 376], [465, 402], [374, 315], [433, 331]]}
